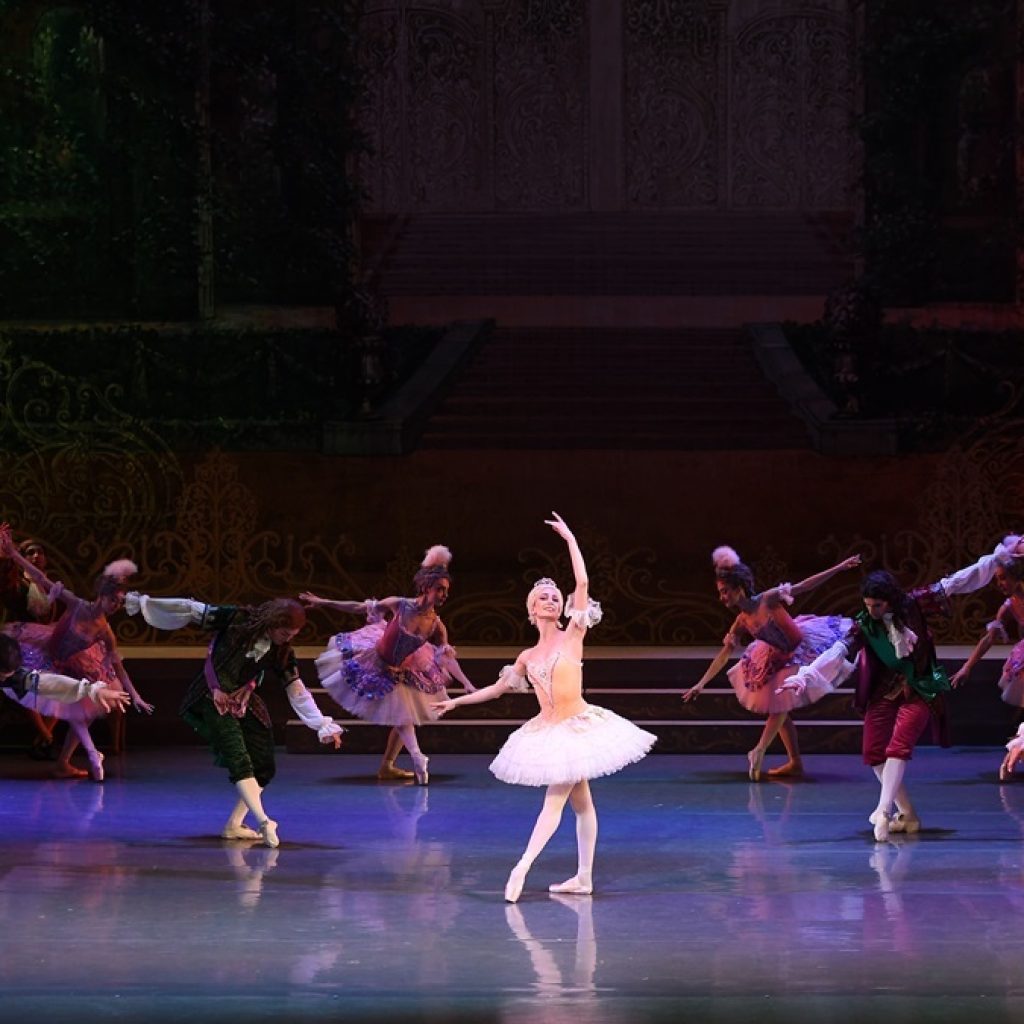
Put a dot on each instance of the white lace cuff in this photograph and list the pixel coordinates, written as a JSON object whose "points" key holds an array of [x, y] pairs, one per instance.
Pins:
{"points": [[165, 612], [305, 707], [785, 592], [584, 618], [513, 680], [373, 612], [826, 672]]}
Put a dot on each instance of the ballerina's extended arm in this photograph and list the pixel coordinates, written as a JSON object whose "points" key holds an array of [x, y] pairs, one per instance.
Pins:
{"points": [[713, 669], [511, 679], [787, 591]]}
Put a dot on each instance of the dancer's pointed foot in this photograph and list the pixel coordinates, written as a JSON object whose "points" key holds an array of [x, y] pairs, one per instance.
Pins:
{"points": [[575, 886], [515, 883], [240, 832], [96, 766], [880, 821], [1005, 771], [390, 772], [268, 833], [419, 763], [66, 770], [792, 769], [909, 823], [755, 758]]}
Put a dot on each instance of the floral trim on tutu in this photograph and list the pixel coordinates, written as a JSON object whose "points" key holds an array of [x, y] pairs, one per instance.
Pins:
{"points": [[763, 667], [355, 676]]}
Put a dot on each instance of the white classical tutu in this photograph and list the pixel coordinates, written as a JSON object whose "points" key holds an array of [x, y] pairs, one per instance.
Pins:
{"points": [[593, 743], [763, 668]]}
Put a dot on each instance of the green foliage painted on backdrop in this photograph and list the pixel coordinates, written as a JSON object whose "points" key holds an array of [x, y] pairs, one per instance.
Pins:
{"points": [[109, 159], [938, 143]]}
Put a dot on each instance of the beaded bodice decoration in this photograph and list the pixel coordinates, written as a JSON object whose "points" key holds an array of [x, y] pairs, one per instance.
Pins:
{"points": [[772, 633], [541, 672]]}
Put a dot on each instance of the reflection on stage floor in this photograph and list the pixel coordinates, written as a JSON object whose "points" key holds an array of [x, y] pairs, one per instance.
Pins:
{"points": [[715, 899]]}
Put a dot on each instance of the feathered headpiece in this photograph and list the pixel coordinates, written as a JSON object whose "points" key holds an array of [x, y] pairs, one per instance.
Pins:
{"points": [[434, 567], [114, 576], [437, 554], [121, 569], [725, 557]]}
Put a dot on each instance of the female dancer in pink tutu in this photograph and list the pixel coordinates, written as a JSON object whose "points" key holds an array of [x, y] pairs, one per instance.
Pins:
{"points": [[390, 672], [79, 644], [1009, 580], [778, 646], [570, 741]]}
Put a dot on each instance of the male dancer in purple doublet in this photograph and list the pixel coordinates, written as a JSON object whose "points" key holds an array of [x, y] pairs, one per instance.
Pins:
{"points": [[250, 646], [899, 682], [390, 671]]}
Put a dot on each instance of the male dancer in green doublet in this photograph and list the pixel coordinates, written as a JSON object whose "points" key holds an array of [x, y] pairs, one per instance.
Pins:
{"points": [[249, 646], [899, 681]]}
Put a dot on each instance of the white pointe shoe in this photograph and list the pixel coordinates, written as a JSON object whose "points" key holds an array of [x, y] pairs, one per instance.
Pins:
{"points": [[268, 833], [755, 758], [514, 885], [240, 832], [96, 766], [419, 764], [572, 887], [880, 820]]}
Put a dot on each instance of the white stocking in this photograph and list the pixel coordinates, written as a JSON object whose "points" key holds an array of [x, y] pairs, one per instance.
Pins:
{"points": [[586, 832], [249, 792], [900, 796], [544, 828], [891, 778]]}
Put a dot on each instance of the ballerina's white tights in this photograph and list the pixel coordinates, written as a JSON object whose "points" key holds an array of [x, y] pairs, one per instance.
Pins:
{"points": [[578, 795]]}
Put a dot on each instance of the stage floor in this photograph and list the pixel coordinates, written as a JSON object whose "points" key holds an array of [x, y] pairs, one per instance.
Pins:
{"points": [[716, 899]]}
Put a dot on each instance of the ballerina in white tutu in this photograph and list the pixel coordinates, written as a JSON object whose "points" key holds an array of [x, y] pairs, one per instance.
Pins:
{"points": [[570, 741]]}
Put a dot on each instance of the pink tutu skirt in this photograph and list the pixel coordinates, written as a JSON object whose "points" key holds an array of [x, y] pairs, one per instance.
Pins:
{"points": [[354, 674], [1011, 683], [593, 743], [762, 668], [93, 663]]}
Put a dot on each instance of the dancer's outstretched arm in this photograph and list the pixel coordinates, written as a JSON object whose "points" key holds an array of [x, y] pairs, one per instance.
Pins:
{"points": [[716, 666], [579, 567], [995, 631], [8, 549], [511, 679], [812, 582], [312, 600]]}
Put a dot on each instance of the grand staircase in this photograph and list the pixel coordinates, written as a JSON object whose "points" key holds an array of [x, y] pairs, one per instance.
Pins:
{"points": [[616, 388]]}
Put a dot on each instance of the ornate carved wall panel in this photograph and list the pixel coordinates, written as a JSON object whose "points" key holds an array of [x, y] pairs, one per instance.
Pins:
{"points": [[485, 104], [790, 113], [425, 112], [675, 88], [540, 93]]}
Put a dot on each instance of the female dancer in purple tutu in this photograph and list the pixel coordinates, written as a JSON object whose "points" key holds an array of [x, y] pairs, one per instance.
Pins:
{"points": [[778, 645], [1009, 580], [79, 644], [570, 741], [391, 670]]}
